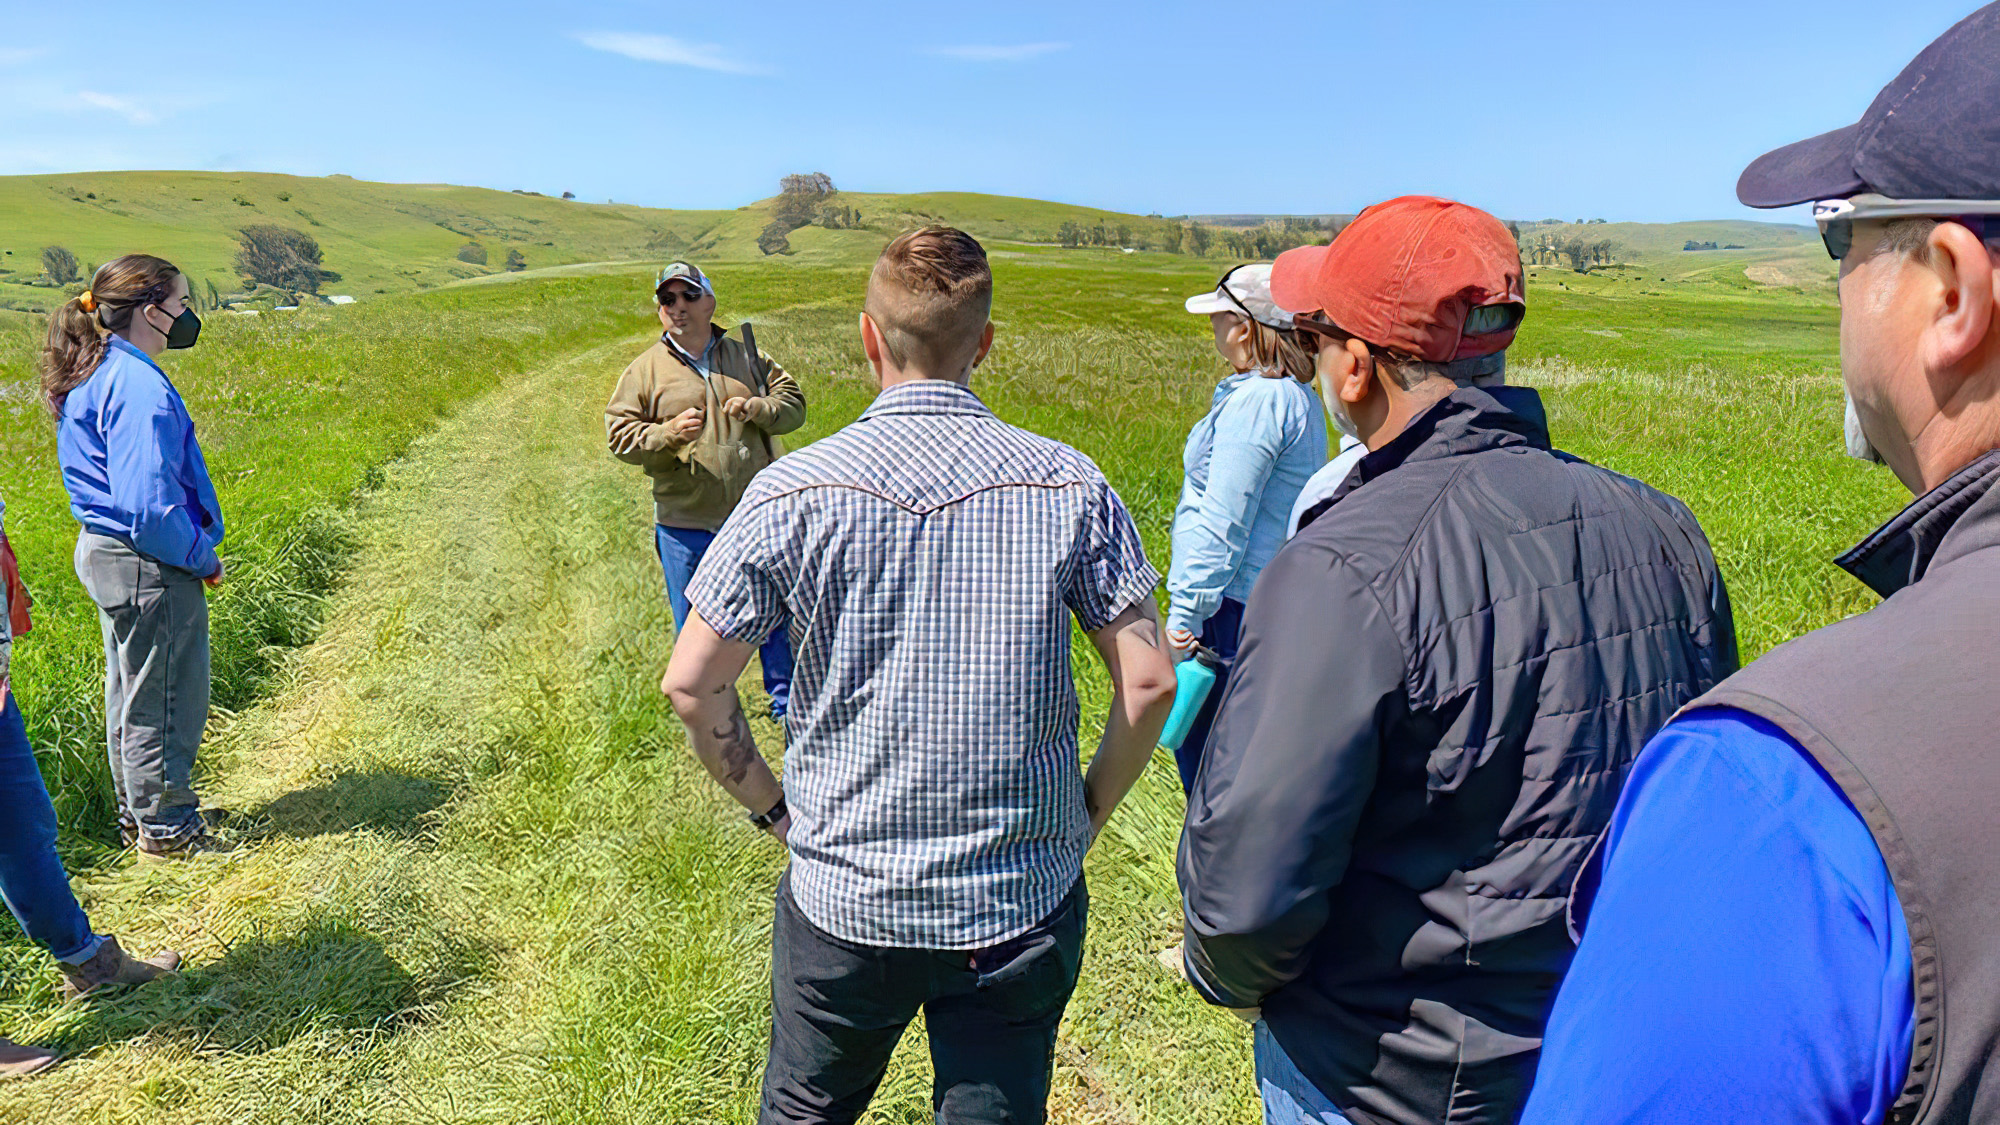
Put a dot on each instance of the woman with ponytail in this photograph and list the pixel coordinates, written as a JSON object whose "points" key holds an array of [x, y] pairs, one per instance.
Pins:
{"points": [[139, 486]]}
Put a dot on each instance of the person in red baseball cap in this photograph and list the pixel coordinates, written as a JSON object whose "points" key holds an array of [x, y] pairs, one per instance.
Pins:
{"points": [[1442, 682]]}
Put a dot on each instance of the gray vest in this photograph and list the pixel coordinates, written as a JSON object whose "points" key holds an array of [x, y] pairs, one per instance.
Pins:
{"points": [[1901, 705]]}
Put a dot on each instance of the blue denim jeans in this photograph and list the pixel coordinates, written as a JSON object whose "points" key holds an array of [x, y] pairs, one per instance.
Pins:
{"points": [[1290, 1098], [32, 879], [680, 552]]}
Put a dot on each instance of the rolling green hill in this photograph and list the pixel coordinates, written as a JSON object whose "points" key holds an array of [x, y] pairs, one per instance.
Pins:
{"points": [[388, 238]]}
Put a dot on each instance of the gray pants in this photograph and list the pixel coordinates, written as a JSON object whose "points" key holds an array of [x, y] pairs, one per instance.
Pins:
{"points": [[155, 621]]}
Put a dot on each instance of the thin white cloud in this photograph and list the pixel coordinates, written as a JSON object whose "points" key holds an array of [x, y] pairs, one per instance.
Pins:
{"points": [[998, 53], [124, 107], [667, 50]]}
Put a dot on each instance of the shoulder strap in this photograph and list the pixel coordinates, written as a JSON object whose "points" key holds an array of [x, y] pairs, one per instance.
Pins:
{"points": [[757, 373]]}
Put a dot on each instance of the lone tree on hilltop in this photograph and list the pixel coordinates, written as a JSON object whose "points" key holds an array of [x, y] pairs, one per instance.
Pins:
{"points": [[801, 198], [472, 252], [60, 265], [515, 262], [280, 256]]}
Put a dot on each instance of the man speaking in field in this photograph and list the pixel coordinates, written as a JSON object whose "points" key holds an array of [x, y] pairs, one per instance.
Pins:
{"points": [[1798, 921], [929, 559], [701, 414], [1442, 682]]}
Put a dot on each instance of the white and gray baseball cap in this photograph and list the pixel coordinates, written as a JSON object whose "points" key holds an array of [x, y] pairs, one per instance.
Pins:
{"points": [[682, 271], [1245, 291]]}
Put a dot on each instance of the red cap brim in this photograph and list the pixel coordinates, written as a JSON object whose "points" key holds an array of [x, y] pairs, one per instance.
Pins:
{"points": [[1295, 276]]}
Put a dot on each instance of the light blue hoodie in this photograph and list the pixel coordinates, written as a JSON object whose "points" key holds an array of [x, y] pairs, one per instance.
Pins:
{"points": [[1246, 461]]}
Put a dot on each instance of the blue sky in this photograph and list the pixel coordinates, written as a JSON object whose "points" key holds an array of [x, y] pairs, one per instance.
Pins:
{"points": [[1532, 110]]}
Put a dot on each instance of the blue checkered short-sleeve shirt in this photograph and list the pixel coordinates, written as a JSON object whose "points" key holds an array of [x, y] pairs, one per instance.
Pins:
{"points": [[927, 560]]}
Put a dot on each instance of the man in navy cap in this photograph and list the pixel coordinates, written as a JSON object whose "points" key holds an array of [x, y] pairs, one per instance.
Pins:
{"points": [[1798, 913]]}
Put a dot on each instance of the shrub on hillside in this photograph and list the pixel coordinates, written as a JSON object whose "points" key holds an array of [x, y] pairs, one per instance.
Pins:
{"points": [[773, 240], [472, 252], [288, 259], [60, 265], [515, 262]]}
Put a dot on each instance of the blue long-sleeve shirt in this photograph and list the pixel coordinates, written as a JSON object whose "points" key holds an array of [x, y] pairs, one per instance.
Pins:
{"points": [[1746, 959], [1245, 462], [132, 466]]}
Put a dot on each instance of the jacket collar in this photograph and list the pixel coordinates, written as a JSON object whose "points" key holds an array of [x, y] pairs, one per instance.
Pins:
{"points": [[927, 396], [687, 358], [114, 340], [1468, 420], [1956, 518]]}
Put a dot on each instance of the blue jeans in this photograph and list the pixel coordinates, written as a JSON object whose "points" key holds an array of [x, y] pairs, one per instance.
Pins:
{"points": [[32, 879], [1221, 634], [680, 552], [1290, 1098]]}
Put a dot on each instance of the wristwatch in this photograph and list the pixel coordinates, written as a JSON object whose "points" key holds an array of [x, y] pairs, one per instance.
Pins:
{"points": [[765, 820]]}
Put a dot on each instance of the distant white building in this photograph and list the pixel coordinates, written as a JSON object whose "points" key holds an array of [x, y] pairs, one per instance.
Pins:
{"points": [[341, 300]]}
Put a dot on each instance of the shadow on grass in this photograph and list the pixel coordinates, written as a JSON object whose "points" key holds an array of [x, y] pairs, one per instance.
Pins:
{"points": [[264, 994], [380, 800]]}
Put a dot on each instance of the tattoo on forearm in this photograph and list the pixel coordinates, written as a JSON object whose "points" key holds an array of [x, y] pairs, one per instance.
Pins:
{"points": [[736, 746]]}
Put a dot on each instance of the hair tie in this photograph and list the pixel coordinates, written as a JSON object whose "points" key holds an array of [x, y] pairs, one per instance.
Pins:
{"points": [[87, 301]]}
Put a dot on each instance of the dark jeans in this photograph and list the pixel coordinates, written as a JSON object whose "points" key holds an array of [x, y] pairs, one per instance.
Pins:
{"points": [[32, 879], [680, 552], [156, 667], [1221, 633], [838, 1010]]}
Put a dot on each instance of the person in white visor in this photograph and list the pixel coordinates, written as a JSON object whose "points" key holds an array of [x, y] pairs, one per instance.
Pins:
{"points": [[1264, 435]]}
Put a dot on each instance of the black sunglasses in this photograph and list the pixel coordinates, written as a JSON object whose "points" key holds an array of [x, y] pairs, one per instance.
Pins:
{"points": [[669, 296], [1836, 219]]}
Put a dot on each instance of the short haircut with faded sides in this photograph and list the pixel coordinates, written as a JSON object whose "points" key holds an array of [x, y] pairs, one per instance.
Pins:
{"points": [[931, 294]]}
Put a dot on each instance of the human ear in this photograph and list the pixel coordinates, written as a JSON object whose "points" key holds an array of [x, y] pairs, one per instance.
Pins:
{"points": [[985, 344], [1354, 371], [1964, 314], [871, 344]]}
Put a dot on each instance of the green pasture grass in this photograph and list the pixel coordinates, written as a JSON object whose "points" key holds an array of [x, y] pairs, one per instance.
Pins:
{"points": [[487, 882]]}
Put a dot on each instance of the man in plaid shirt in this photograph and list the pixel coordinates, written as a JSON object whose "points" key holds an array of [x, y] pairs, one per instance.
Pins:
{"points": [[928, 559]]}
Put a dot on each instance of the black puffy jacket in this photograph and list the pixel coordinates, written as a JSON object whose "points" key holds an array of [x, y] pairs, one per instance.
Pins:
{"points": [[1442, 684]]}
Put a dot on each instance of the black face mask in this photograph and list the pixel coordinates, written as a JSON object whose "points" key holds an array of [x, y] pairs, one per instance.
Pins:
{"points": [[185, 330]]}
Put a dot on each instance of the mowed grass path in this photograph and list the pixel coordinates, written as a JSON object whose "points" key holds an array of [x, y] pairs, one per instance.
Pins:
{"points": [[491, 884]]}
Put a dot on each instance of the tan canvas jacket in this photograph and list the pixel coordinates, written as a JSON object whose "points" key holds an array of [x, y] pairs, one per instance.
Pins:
{"points": [[696, 483]]}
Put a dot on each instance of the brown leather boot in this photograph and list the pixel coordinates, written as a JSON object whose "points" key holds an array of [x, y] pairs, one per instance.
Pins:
{"points": [[112, 965], [198, 846], [17, 1061]]}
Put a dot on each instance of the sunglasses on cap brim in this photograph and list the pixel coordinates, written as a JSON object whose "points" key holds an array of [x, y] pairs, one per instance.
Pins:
{"points": [[1480, 321], [1222, 291], [1836, 217]]}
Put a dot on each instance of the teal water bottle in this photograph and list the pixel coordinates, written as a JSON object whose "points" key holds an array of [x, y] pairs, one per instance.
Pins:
{"points": [[1194, 679]]}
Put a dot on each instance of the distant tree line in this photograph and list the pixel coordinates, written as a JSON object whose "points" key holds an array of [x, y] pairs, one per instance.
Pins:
{"points": [[1567, 247], [1693, 245]]}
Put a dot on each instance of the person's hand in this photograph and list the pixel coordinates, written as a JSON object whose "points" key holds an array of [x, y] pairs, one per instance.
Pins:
{"points": [[1180, 644], [781, 827], [214, 580], [686, 426], [739, 407]]}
